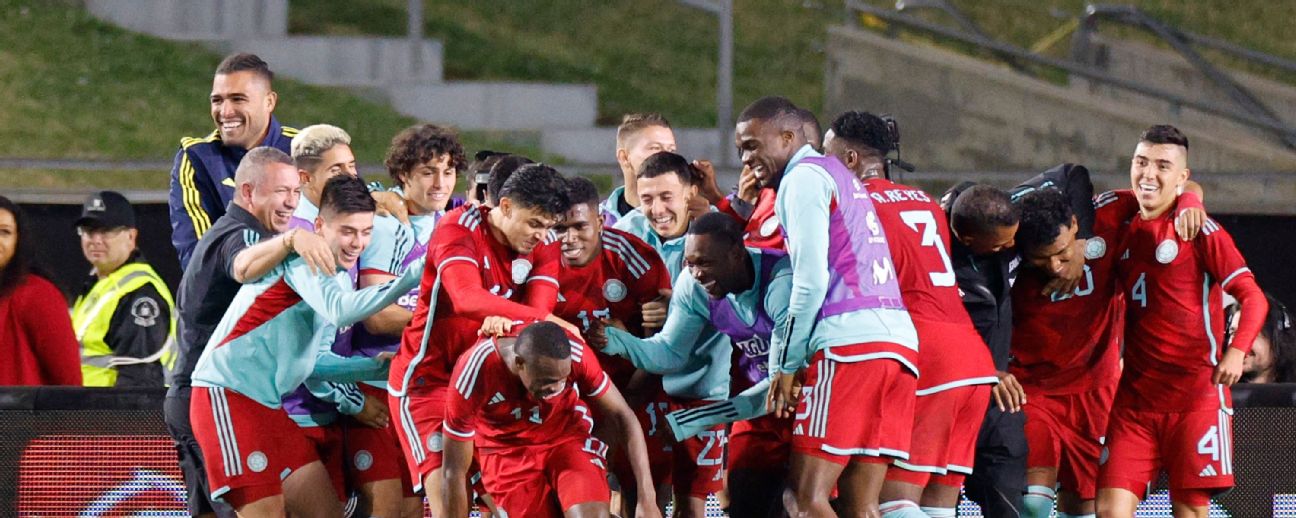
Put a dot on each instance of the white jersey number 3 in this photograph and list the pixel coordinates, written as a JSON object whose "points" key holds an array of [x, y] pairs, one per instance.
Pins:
{"points": [[930, 237]]}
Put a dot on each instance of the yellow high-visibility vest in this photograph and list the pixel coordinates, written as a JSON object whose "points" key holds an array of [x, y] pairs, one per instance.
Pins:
{"points": [[92, 313]]}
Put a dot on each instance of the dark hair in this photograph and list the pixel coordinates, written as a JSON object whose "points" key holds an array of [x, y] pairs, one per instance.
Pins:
{"points": [[770, 108], [23, 260], [633, 123], [419, 144], [500, 173], [665, 162], [346, 194], [807, 118], [537, 186], [865, 132], [245, 62], [1164, 134], [1279, 329], [1044, 213], [582, 190], [982, 209], [718, 226], [543, 339]]}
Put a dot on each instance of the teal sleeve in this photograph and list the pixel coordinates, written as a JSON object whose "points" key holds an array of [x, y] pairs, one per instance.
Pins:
{"points": [[330, 366], [347, 396], [803, 205], [749, 404], [671, 349], [341, 307]]}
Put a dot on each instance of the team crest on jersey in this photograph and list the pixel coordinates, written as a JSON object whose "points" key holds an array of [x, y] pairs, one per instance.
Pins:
{"points": [[257, 461], [769, 227], [521, 269], [363, 460], [1167, 251], [614, 290], [1095, 248]]}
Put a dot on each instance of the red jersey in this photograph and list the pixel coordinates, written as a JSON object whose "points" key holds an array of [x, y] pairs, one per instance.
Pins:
{"points": [[489, 405], [469, 276], [761, 227], [1174, 326], [918, 236], [625, 275], [1067, 344]]}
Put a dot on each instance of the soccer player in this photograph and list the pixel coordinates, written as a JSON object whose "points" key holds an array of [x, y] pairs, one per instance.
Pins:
{"points": [[424, 161], [486, 261], [743, 293], [846, 320], [957, 372], [666, 184], [519, 401], [1173, 408], [609, 273], [274, 338], [639, 136], [202, 179]]}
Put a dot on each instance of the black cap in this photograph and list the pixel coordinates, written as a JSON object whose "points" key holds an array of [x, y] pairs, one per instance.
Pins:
{"points": [[106, 209]]}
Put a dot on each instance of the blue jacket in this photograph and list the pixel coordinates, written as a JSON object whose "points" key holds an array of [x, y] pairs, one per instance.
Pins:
{"points": [[202, 183]]}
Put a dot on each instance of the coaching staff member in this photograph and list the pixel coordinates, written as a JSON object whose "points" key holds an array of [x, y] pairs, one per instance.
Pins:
{"points": [[202, 177], [241, 246]]}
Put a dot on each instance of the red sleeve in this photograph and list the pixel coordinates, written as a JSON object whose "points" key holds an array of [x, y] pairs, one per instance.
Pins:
{"points": [[586, 371], [48, 328], [1225, 263], [1112, 209], [726, 206], [542, 285], [460, 411], [461, 282]]}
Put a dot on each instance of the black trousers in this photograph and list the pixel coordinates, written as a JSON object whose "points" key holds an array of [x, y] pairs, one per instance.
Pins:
{"points": [[175, 411], [998, 478]]}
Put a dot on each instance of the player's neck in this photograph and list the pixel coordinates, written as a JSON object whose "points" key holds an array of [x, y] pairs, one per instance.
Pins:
{"points": [[631, 193], [1149, 214]]}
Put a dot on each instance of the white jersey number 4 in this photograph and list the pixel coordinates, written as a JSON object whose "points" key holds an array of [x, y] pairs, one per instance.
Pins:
{"points": [[930, 237]]}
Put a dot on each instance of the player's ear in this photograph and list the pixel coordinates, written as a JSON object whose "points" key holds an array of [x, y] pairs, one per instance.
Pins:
{"points": [[623, 158]]}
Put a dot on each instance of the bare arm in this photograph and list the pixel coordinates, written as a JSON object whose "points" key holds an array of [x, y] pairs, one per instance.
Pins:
{"points": [[612, 404], [391, 321]]}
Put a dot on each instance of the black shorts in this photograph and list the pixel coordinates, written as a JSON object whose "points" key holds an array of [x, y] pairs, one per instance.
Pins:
{"points": [[176, 413]]}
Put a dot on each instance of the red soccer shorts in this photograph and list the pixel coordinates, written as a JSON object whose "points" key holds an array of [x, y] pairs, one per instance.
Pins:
{"points": [[943, 442], [861, 410], [652, 420], [1195, 448], [546, 479], [418, 418], [1066, 432], [374, 454], [761, 444], [697, 468], [327, 441], [249, 447]]}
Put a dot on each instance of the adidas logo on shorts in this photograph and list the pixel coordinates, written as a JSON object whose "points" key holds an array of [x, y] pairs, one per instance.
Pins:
{"points": [[1208, 472]]}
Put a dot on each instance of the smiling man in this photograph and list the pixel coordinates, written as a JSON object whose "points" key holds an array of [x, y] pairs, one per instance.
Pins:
{"points": [[202, 178], [639, 136]]}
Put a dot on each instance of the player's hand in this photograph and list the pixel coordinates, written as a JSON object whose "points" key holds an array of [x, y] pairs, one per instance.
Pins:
{"points": [[1189, 222], [391, 204], [1229, 369], [575, 331], [748, 187], [707, 184], [1071, 272], [1008, 395], [495, 326], [596, 334], [315, 251], [374, 413], [784, 392], [654, 312]]}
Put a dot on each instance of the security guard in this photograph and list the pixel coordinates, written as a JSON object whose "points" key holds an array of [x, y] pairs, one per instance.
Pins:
{"points": [[124, 315]]}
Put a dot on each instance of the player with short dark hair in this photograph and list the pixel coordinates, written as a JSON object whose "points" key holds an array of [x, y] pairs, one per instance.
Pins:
{"points": [[957, 372], [846, 320], [1173, 409], [611, 274], [639, 136], [743, 293], [500, 173], [518, 400], [276, 336], [810, 126], [487, 261]]}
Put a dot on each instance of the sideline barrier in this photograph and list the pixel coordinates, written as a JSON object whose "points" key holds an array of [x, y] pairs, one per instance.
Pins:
{"points": [[68, 451]]}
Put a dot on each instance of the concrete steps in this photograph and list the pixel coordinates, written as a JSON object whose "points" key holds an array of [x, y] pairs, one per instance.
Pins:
{"points": [[409, 75]]}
